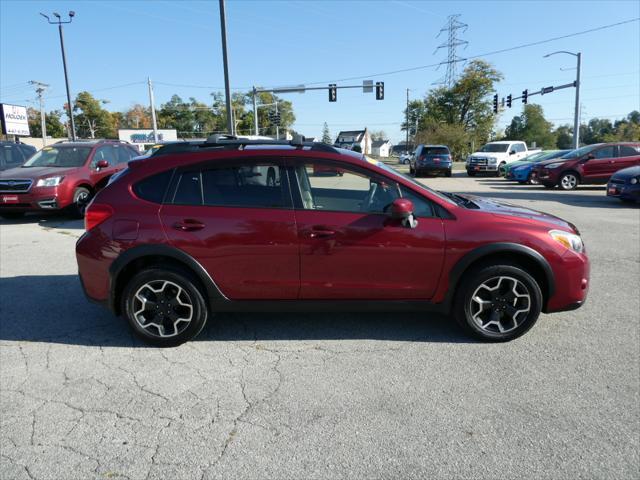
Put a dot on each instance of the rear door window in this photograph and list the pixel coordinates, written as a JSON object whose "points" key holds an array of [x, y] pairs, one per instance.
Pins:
{"points": [[436, 151], [629, 151]]}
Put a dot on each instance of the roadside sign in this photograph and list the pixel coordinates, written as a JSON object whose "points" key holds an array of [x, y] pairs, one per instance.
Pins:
{"points": [[14, 120], [367, 86]]}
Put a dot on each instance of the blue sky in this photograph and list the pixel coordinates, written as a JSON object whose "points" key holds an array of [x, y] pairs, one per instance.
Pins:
{"points": [[115, 43]]}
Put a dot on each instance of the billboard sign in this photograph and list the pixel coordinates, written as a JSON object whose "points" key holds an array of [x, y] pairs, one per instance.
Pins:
{"points": [[14, 120]]}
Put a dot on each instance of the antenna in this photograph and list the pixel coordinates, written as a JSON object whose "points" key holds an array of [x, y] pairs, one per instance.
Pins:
{"points": [[452, 27]]}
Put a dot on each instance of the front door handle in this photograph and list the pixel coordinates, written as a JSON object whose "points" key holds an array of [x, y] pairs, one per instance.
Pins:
{"points": [[189, 225], [321, 232]]}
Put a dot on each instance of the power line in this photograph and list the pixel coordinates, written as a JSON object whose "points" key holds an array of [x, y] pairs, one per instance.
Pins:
{"points": [[181, 85], [486, 54]]}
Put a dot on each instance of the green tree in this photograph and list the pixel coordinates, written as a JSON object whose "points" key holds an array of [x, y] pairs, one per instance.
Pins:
{"points": [[462, 113], [564, 137], [596, 130], [532, 127], [326, 135], [91, 119], [54, 126]]}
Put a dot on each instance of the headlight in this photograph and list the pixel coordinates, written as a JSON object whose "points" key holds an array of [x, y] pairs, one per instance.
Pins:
{"points": [[468, 160], [49, 182], [554, 165], [634, 180], [493, 160], [569, 240]]}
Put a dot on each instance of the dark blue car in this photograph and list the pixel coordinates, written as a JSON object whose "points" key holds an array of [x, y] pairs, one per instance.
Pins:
{"points": [[431, 159], [625, 184]]}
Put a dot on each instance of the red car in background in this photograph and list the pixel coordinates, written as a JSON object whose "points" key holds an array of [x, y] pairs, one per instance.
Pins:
{"points": [[63, 176], [593, 164], [176, 237]]}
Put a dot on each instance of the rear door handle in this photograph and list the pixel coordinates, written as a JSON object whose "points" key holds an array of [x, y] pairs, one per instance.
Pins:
{"points": [[189, 225]]}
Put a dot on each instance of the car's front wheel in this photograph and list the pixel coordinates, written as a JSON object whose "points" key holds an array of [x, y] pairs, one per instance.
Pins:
{"points": [[498, 303], [164, 306], [569, 181], [81, 198]]}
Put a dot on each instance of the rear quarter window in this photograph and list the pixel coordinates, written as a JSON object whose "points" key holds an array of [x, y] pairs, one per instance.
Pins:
{"points": [[153, 188]]}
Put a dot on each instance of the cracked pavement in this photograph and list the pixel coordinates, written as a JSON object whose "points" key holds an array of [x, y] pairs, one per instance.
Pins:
{"points": [[321, 395]]}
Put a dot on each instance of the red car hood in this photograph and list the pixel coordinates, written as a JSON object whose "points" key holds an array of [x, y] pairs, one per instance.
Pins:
{"points": [[34, 173], [498, 207]]}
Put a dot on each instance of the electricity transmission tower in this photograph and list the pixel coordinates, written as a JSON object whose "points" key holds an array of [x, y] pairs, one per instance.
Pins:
{"points": [[453, 41]]}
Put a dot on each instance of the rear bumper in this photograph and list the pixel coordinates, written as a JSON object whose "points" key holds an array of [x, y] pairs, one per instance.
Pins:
{"points": [[433, 168], [36, 200], [624, 191]]}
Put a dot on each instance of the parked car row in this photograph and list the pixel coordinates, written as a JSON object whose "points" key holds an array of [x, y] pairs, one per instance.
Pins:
{"points": [[615, 164]]}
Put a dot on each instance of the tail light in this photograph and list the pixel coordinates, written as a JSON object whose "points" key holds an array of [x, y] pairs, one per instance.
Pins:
{"points": [[96, 214], [422, 157]]}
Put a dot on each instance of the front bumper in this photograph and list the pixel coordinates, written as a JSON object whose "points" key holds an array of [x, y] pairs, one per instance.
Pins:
{"points": [[571, 281], [482, 168], [38, 199]]}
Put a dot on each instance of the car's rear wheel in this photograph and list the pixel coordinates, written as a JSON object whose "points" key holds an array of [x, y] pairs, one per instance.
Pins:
{"points": [[498, 303], [12, 215], [81, 198], [569, 181], [164, 306], [532, 180], [471, 173], [448, 173]]}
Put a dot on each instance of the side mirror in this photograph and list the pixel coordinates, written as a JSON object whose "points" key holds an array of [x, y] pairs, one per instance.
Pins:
{"points": [[402, 209], [102, 164], [512, 152], [591, 156]]}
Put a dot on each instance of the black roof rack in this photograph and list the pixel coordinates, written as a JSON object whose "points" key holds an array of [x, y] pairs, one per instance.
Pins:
{"points": [[235, 142]]}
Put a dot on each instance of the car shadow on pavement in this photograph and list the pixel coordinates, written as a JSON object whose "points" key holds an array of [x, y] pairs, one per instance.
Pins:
{"points": [[576, 198], [53, 309], [47, 220]]}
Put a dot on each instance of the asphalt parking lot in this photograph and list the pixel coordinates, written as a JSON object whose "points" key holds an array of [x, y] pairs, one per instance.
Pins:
{"points": [[322, 395]]}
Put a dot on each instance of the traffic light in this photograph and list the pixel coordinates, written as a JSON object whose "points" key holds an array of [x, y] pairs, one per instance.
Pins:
{"points": [[509, 97], [333, 92], [274, 117], [495, 103], [379, 90], [525, 95]]}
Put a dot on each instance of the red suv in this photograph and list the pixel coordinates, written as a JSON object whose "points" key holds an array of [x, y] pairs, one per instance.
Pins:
{"points": [[247, 226], [62, 176], [593, 164]]}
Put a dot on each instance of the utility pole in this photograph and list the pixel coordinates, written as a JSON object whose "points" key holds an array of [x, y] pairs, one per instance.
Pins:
{"points": [[255, 112], [43, 126], [277, 123], [576, 113], [225, 61], [152, 103], [407, 121], [59, 22]]}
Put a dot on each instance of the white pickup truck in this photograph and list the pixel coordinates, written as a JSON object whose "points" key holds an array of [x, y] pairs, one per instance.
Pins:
{"points": [[494, 156]]}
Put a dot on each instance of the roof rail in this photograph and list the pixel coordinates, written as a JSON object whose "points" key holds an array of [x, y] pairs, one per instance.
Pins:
{"points": [[232, 141]]}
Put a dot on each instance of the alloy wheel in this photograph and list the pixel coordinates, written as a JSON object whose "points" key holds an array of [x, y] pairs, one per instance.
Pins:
{"points": [[569, 181], [500, 304], [162, 308]]}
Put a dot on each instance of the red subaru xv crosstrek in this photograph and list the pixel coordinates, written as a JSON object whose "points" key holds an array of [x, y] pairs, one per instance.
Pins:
{"points": [[62, 176], [240, 225]]}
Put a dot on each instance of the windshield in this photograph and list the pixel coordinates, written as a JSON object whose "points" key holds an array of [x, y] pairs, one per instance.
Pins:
{"points": [[580, 152], [59, 157], [436, 151], [495, 147], [396, 174]]}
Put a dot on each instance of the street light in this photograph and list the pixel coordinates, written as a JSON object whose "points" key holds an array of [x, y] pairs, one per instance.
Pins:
{"points": [[576, 118], [59, 22]]}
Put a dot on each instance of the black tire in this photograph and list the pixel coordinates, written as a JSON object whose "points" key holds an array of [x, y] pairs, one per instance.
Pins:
{"points": [[411, 170], [569, 181], [471, 173], [194, 296], [473, 280], [448, 173], [522, 182], [546, 185], [531, 181], [12, 215], [81, 198]]}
